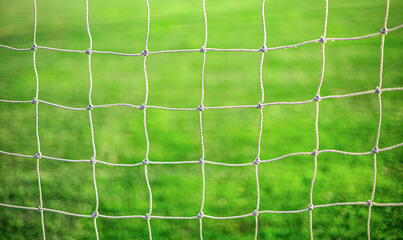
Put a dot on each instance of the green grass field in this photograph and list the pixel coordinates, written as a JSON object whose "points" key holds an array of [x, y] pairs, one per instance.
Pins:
{"points": [[230, 135]]}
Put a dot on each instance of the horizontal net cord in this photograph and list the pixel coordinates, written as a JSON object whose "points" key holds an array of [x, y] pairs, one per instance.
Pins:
{"points": [[373, 151], [141, 107], [209, 49], [204, 215], [367, 36]]}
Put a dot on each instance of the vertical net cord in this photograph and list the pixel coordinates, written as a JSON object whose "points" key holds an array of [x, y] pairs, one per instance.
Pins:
{"points": [[375, 150], [145, 53], [260, 106], [38, 155], [203, 50], [93, 160], [317, 99]]}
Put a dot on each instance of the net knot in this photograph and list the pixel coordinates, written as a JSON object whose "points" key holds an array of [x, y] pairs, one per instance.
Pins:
{"points": [[375, 150], [143, 106], [147, 217], [92, 160], [200, 215], [314, 153], [255, 213], [88, 51], [263, 49], [201, 161], [322, 40], [369, 203], [145, 161], [145, 52], [203, 49], [90, 107], [200, 107], [377, 90], [38, 155], [39, 209], [316, 98], [259, 106], [256, 161], [310, 207], [34, 47], [384, 30], [35, 100], [95, 214]]}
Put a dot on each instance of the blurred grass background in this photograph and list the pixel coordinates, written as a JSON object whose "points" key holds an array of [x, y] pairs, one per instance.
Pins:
{"points": [[230, 136]]}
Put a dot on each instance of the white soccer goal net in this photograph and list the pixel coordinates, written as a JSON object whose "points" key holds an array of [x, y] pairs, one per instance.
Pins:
{"points": [[261, 50]]}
